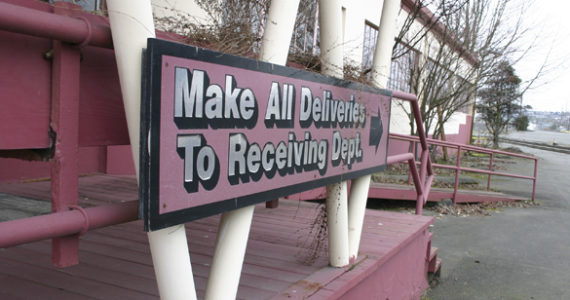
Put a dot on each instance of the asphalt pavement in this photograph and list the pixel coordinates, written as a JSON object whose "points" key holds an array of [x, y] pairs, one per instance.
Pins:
{"points": [[516, 253]]}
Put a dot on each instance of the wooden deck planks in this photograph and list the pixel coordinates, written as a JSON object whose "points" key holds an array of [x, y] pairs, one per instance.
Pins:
{"points": [[66, 281], [115, 262], [22, 289]]}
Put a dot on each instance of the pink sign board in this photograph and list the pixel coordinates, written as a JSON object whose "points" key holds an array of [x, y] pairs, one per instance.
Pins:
{"points": [[223, 132]]}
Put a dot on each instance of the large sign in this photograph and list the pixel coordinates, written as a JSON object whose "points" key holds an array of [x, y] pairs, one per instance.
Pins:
{"points": [[220, 132]]}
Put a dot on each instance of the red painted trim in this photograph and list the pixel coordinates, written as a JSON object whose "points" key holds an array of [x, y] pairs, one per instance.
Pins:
{"points": [[401, 262]]}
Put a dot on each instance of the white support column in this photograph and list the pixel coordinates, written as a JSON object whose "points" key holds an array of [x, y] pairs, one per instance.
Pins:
{"points": [[384, 43], [231, 244], [356, 210], [234, 228], [278, 31], [131, 25], [337, 223], [330, 23], [380, 73], [171, 259]]}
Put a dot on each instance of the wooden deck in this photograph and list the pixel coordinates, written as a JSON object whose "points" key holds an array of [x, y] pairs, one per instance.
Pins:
{"points": [[286, 255]]}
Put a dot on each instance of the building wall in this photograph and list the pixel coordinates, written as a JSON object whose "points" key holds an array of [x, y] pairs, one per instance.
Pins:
{"points": [[357, 14]]}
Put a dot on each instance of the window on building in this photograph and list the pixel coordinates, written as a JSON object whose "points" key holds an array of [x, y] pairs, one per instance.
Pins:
{"points": [[370, 36], [402, 68], [305, 37], [89, 5]]}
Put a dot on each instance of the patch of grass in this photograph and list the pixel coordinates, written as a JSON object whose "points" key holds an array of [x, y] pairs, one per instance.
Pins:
{"points": [[477, 154], [478, 176]]}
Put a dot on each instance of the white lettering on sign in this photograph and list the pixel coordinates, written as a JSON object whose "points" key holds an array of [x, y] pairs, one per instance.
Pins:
{"points": [[229, 108], [197, 104], [200, 162], [224, 132], [328, 112], [280, 107]]}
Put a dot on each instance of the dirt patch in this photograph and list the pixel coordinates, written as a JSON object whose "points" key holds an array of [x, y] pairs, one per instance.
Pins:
{"points": [[477, 209], [445, 177]]}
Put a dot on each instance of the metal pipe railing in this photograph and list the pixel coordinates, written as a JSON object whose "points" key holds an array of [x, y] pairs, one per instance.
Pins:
{"points": [[424, 179], [457, 171], [474, 170], [490, 169], [75, 221], [458, 168], [80, 30], [409, 157], [64, 23], [455, 145]]}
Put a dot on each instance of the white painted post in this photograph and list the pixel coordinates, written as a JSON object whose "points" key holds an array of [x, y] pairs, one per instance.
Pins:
{"points": [[380, 72], [234, 226], [330, 19], [337, 223], [356, 210], [131, 25], [231, 244], [384, 43], [171, 260], [330, 24], [278, 31]]}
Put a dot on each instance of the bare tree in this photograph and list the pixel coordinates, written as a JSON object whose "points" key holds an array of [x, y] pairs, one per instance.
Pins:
{"points": [[465, 40], [231, 26]]}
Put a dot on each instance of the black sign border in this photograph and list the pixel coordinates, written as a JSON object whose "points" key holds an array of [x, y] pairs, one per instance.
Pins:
{"points": [[149, 157]]}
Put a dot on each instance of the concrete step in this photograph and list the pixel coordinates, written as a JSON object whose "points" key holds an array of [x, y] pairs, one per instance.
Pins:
{"points": [[433, 254], [435, 266]]}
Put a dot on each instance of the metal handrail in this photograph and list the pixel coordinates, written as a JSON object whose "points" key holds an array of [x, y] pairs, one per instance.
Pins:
{"points": [[458, 168], [75, 221], [74, 30], [423, 180], [464, 146]]}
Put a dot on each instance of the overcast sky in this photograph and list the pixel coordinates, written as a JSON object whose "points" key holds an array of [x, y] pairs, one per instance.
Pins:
{"points": [[549, 26]]}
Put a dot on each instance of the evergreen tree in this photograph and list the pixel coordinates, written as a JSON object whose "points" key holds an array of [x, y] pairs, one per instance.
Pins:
{"points": [[497, 101]]}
